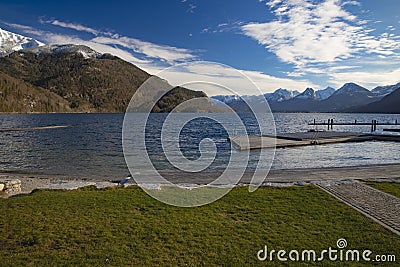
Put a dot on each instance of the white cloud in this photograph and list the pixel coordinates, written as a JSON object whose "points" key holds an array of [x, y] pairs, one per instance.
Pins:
{"points": [[52, 38], [268, 83], [191, 8], [367, 79], [169, 54], [308, 32], [197, 75], [24, 28], [340, 68], [74, 26]]}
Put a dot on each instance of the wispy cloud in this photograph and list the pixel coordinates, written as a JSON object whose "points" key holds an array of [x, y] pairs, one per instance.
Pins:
{"points": [[224, 27], [191, 8], [24, 28], [73, 26], [169, 54], [308, 32], [130, 49]]}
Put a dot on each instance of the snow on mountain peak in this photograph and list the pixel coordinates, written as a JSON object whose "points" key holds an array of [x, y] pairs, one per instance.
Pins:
{"points": [[324, 93], [10, 42], [309, 93], [350, 88], [385, 90], [85, 51], [280, 95]]}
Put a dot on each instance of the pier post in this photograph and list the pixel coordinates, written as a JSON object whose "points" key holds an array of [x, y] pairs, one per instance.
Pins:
{"points": [[355, 121], [373, 125]]}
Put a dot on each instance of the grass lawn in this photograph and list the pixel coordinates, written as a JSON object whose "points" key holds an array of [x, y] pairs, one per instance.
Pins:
{"points": [[119, 227], [392, 188]]}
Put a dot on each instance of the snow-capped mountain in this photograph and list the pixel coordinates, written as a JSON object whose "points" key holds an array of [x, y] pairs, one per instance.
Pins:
{"points": [[10, 42], [226, 98], [350, 95], [280, 95], [309, 93], [385, 90], [324, 93], [351, 89], [85, 51]]}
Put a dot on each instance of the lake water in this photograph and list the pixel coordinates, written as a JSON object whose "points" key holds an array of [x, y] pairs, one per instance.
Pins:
{"points": [[92, 146]]}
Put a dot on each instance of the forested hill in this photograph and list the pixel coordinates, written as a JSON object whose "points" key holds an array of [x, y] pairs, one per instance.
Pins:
{"points": [[72, 78]]}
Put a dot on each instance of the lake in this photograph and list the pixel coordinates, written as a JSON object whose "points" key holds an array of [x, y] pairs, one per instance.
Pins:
{"points": [[92, 146]]}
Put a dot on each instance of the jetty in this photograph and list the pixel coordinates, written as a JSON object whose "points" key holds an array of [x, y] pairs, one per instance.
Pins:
{"points": [[305, 139], [374, 123]]}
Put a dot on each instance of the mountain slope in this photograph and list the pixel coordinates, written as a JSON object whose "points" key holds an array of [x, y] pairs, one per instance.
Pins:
{"points": [[349, 95], [105, 83], [309, 93], [280, 95], [324, 93], [18, 96], [10, 42], [87, 80], [385, 90], [388, 104]]}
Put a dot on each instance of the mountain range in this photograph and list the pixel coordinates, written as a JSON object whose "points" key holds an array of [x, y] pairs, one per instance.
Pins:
{"points": [[73, 78], [349, 98]]}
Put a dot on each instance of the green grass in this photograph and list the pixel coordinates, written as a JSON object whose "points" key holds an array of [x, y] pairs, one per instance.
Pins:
{"points": [[392, 188], [119, 227]]}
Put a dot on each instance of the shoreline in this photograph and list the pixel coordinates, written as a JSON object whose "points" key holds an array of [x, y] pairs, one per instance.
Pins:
{"points": [[286, 177]]}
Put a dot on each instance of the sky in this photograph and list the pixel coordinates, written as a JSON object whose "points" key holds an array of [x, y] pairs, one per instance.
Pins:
{"points": [[292, 44]]}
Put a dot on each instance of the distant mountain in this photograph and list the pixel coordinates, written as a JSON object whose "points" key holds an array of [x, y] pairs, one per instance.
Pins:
{"points": [[325, 93], [280, 95], [327, 100], [349, 95], [10, 42], [388, 104], [385, 90], [81, 77], [309, 93], [304, 102], [226, 98]]}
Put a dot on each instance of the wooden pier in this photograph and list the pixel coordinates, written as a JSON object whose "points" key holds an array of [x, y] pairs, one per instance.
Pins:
{"points": [[305, 139], [373, 124]]}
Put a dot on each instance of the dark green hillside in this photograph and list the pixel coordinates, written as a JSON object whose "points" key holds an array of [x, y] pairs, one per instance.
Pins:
{"points": [[94, 84], [18, 96], [87, 81]]}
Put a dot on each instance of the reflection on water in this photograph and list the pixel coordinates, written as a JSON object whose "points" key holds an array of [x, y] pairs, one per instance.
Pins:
{"points": [[92, 146]]}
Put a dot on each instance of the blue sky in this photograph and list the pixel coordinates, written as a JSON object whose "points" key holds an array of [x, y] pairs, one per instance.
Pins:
{"points": [[291, 44]]}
